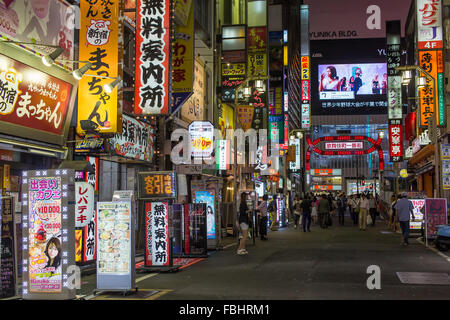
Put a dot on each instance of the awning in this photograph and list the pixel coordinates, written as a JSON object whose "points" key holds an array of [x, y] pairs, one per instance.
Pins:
{"points": [[423, 154], [28, 147]]}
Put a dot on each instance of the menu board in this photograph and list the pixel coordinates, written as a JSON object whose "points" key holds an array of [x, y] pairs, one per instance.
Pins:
{"points": [[7, 249], [159, 184], [114, 238], [418, 215], [44, 235]]}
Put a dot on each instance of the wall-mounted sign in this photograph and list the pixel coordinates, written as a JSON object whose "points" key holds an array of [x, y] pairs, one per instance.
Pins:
{"points": [[91, 145], [194, 108], [92, 178], [153, 49], [157, 244], [84, 203], [395, 140], [202, 137], [32, 103], [8, 265], [90, 239], [154, 185], [445, 160], [223, 155], [245, 116], [257, 39], [326, 172], [48, 233], [296, 165], [99, 44], [49, 22], [306, 115], [427, 94], [183, 54], [233, 69], [135, 141]]}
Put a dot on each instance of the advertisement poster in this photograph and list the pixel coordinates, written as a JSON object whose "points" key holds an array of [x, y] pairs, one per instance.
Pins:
{"points": [[435, 215], [50, 22], [202, 137], [44, 229], [135, 141], [157, 244], [114, 238], [195, 242], [7, 249], [208, 199], [418, 205]]}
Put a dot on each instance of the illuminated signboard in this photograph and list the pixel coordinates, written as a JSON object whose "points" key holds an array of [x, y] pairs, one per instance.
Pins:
{"points": [[306, 92], [8, 265], [84, 203], [157, 248], [153, 69], [99, 44], [418, 205], [344, 145], [33, 104], [297, 164], [202, 137], [326, 187], [48, 233], [208, 198], [395, 140], [326, 172], [429, 24], [159, 184]]}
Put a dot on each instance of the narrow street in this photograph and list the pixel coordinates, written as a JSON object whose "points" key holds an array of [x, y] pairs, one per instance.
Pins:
{"points": [[321, 265]]}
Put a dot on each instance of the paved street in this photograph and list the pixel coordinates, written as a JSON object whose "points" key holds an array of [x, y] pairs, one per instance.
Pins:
{"points": [[323, 264]]}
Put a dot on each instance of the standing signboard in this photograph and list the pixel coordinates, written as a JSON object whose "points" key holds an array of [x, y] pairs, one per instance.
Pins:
{"points": [[195, 241], [435, 215], [48, 233], [115, 246], [8, 263], [418, 204]]}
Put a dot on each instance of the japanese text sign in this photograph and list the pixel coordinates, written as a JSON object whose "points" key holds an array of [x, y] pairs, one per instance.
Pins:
{"points": [[90, 239], [157, 245], [159, 184], [257, 39], [395, 140], [84, 203], [32, 99], [153, 45], [202, 137], [429, 24], [435, 214], [245, 115], [394, 96], [99, 44], [428, 61]]}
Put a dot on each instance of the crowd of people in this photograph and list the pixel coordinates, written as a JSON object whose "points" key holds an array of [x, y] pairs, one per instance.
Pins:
{"points": [[364, 210]]}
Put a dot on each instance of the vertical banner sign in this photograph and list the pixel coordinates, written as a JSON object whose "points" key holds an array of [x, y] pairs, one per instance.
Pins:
{"points": [[223, 154], [99, 44], [153, 67], [393, 57], [430, 44], [84, 203], [157, 251], [208, 199], [395, 140], [48, 233], [92, 178], [90, 238], [445, 159], [8, 250], [297, 164], [183, 56], [435, 215], [305, 89]]}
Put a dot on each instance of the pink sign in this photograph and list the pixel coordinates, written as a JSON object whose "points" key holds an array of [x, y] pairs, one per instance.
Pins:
{"points": [[435, 214]]}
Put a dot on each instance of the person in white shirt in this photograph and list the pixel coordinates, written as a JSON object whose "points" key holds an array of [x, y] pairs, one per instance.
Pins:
{"points": [[363, 211], [262, 208]]}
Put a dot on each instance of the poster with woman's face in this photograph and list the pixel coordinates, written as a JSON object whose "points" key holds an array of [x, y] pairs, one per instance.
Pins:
{"points": [[208, 198], [44, 228]]}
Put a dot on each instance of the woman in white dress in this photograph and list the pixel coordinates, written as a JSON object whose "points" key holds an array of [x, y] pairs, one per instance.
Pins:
{"points": [[330, 80]]}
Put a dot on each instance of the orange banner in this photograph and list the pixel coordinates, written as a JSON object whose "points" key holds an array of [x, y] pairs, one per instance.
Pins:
{"points": [[99, 44], [245, 115], [428, 60]]}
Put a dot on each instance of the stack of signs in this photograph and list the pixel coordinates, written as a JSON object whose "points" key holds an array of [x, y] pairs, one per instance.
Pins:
{"points": [[157, 249], [445, 160]]}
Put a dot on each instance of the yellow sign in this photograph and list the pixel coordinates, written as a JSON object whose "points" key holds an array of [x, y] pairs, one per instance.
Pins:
{"points": [[404, 173], [6, 176], [257, 64], [99, 44], [182, 10], [194, 108], [305, 68], [233, 69], [226, 118]]}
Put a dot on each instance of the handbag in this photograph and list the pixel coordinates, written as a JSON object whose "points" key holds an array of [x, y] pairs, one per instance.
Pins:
{"points": [[369, 219], [329, 220]]}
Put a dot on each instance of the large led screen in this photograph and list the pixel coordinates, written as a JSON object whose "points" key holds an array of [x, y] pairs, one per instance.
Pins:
{"points": [[349, 81]]}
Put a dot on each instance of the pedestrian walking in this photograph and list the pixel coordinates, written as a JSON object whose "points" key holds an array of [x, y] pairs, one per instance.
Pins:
{"points": [[363, 212], [323, 209], [405, 210], [297, 210], [306, 214], [372, 209], [262, 212], [392, 211], [273, 213], [244, 222], [341, 204], [314, 214]]}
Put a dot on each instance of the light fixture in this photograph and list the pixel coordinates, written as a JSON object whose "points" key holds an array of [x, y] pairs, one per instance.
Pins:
{"points": [[110, 86], [381, 134], [247, 92], [259, 85], [299, 135], [405, 82], [407, 74], [49, 59], [78, 74], [421, 82]]}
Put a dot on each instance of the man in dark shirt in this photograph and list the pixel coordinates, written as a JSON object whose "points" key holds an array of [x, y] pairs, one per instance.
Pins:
{"points": [[306, 213], [358, 82]]}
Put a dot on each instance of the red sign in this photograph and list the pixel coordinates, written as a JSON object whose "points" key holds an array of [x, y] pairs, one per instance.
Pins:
{"points": [[305, 90], [31, 98], [344, 145], [257, 39], [435, 214], [395, 140], [157, 248], [153, 57]]}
